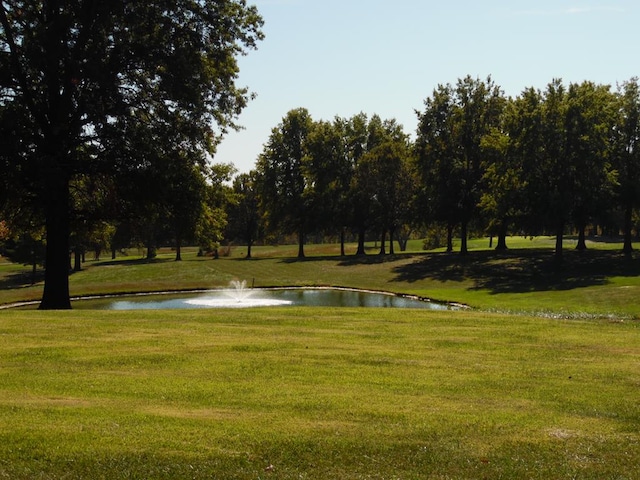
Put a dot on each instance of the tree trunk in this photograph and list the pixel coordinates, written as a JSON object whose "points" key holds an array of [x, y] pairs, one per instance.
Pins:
{"points": [[113, 253], [383, 241], [248, 237], [56, 276], [361, 234], [342, 252], [463, 238], [178, 250], [449, 238], [77, 260], [628, 226], [582, 243], [502, 236], [391, 249], [402, 242], [301, 243], [559, 235], [34, 266]]}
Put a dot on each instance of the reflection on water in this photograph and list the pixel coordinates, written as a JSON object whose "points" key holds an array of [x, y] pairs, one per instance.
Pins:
{"points": [[262, 298]]}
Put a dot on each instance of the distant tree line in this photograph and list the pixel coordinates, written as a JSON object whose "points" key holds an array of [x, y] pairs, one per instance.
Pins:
{"points": [[553, 162]]}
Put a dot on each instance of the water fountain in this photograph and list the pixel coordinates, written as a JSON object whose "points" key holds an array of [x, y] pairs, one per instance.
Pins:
{"points": [[237, 296], [239, 291]]}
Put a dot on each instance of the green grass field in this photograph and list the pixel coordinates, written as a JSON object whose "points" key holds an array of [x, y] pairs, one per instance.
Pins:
{"points": [[539, 380], [354, 393]]}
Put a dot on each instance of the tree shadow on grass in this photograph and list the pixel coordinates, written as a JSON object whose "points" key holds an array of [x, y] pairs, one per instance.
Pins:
{"points": [[134, 261], [21, 280], [346, 260], [519, 271]]}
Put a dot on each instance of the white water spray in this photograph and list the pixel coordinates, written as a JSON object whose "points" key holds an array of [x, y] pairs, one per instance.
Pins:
{"points": [[238, 296]]}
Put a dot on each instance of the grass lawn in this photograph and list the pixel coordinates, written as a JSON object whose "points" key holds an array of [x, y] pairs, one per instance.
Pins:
{"points": [[310, 393], [539, 380]]}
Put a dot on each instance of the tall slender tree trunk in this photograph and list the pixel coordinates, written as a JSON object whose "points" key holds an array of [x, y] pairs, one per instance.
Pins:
{"points": [[463, 238], [34, 267], [56, 276], [77, 259], [449, 238], [383, 241], [342, 235], [178, 249], [301, 243], [582, 242], [559, 235], [361, 234], [248, 236], [392, 231], [628, 226]]}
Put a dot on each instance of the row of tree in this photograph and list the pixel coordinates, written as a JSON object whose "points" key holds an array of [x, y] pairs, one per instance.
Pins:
{"points": [[349, 174], [548, 161], [553, 161]]}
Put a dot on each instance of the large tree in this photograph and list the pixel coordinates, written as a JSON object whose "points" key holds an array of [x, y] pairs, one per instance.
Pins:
{"points": [[542, 144], [563, 137], [327, 170], [384, 174], [363, 137], [244, 214], [436, 147], [626, 155], [501, 185], [449, 144], [356, 144], [219, 197], [341, 172], [283, 185], [589, 129], [76, 73], [480, 103]]}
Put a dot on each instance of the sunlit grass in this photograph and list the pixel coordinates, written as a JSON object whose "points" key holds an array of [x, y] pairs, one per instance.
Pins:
{"points": [[332, 393], [316, 393]]}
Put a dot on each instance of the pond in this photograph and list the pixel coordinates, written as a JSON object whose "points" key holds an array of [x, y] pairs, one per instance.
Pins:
{"points": [[243, 298]]}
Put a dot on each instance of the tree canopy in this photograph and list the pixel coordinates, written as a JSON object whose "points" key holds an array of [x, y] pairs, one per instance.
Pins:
{"points": [[90, 85]]}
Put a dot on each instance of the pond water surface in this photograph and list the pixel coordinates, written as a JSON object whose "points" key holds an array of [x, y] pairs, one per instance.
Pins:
{"points": [[260, 298]]}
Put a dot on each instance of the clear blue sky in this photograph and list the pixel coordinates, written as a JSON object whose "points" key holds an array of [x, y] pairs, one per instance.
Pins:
{"points": [[342, 57]]}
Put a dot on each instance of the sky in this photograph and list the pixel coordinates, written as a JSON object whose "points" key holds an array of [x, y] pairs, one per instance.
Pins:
{"points": [[385, 57]]}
